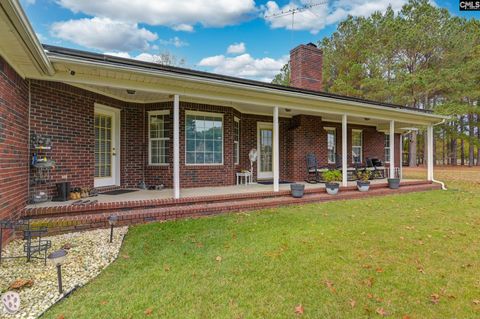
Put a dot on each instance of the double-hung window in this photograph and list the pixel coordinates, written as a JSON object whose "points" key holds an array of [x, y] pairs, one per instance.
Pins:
{"points": [[387, 147], [236, 140], [331, 144], [158, 137], [204, 138], [357, 146]]}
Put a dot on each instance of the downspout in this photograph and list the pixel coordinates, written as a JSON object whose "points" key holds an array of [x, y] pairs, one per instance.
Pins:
{"points": [[433, 179], [29, 138]]}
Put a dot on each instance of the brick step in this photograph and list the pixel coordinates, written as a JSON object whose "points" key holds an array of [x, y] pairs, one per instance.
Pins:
{"points": [[68, 223], [52, 211]]}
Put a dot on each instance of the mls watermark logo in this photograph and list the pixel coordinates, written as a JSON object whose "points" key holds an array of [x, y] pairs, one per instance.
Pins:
{"points": [[469, 5], [11, 302]]}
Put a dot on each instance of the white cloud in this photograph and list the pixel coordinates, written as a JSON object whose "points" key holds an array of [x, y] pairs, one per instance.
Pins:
{"points": [[175, 41], [104, 34], [236, 48], [244, 65], [318, 17], [183, 27], [179, 15]]}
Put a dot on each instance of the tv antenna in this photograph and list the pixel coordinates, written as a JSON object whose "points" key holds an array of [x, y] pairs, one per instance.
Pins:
{"points": [[293, 11]]}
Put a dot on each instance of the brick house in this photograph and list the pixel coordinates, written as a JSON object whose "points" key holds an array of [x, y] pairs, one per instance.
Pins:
{"points": [[115, 122]]}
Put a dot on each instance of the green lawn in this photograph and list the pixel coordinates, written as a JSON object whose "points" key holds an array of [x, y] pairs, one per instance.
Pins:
{"points": [[406, 256]]}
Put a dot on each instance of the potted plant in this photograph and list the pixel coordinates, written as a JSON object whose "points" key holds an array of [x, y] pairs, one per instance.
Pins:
{"points": [[297, 190], [363, 182], [332, 179], [393, 183]]}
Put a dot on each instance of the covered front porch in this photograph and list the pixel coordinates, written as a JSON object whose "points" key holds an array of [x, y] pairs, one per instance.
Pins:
{"points": [[139, 195]]}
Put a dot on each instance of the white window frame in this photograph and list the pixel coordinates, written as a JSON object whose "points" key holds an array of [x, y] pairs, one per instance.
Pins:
{"points": [[236, 141], [153, 113], [210, 114], [330, 129], [361, 145], [387, 148]]}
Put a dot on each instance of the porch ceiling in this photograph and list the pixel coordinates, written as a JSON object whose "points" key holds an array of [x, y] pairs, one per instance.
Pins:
{"points": [[258, 99]]}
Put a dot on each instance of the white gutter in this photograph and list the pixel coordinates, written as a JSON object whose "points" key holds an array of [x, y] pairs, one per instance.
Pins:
{"points": [[197, 79], [23, 28]]}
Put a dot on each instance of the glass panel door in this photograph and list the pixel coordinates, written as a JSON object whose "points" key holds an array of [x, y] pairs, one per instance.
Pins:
{"points": [[103, 145], [107, 155], [265, 151]]}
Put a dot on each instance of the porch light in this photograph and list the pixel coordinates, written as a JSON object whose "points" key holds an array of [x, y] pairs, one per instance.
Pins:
{"points": [[57, 258], [112, 220]]}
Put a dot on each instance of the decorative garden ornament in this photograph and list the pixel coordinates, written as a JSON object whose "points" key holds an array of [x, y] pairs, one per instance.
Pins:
{"points": [[11, 302]]}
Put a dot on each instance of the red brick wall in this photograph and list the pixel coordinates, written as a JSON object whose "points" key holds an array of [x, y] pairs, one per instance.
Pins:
{"points": [[306, 67], [14, 158], [307, 135], [65, 114]]}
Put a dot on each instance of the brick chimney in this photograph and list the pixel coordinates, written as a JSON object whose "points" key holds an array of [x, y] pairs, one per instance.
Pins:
{"points": [[306, 67]]}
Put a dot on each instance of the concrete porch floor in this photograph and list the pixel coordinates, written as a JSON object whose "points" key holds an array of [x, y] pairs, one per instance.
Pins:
{"points": [[142, 195]]}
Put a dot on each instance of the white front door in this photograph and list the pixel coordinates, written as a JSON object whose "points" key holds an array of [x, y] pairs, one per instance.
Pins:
{"points": [[107, 146], [265, 150]]}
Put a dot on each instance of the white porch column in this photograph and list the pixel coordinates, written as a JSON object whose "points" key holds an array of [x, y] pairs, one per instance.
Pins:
{"points": [[344, 150], [400, 164], [276, 151], [392, 149], [176, 146], [430, 152]]}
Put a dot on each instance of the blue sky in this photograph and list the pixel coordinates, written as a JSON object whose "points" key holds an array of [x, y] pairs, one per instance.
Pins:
{"points": [[224, 36]]}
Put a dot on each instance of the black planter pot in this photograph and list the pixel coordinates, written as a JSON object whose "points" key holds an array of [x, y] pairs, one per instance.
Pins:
{"points": [[332, 188], [393, 183], [297, 190], [363, 186]]}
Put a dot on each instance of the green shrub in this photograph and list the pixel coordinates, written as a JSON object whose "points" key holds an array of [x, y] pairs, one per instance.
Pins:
{"points": [[332, 176]]}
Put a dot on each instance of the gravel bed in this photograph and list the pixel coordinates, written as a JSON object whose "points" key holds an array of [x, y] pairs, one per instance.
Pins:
{"points": [[89, 254]]}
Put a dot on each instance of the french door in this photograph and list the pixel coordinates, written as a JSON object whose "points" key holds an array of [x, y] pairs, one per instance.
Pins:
{"points": [[265, 150], [107, 155]]}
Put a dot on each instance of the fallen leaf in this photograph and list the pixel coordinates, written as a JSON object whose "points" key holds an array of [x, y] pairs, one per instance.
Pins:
{"points": [[366, 266], [435, 298], [103, 302], [369, 282], [476, 302], [20, 283], [199, 245], [329, 285], [352, 303], [406, 317], [369, 296], [148, 311], [166, 267], [218, 258], [125, 256], [299, 309], [379, 269], [381, 312], [61, 316]]}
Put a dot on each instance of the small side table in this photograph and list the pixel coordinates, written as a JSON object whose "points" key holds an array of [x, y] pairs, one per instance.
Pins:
{"points": [[247, 177]]}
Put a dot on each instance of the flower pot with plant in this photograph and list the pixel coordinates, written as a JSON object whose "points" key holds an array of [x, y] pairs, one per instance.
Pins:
{"points": [[363, 182], [332, 179]]}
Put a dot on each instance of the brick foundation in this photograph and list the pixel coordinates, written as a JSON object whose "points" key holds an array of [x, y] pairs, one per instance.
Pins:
{"points": [[14, 158]]}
